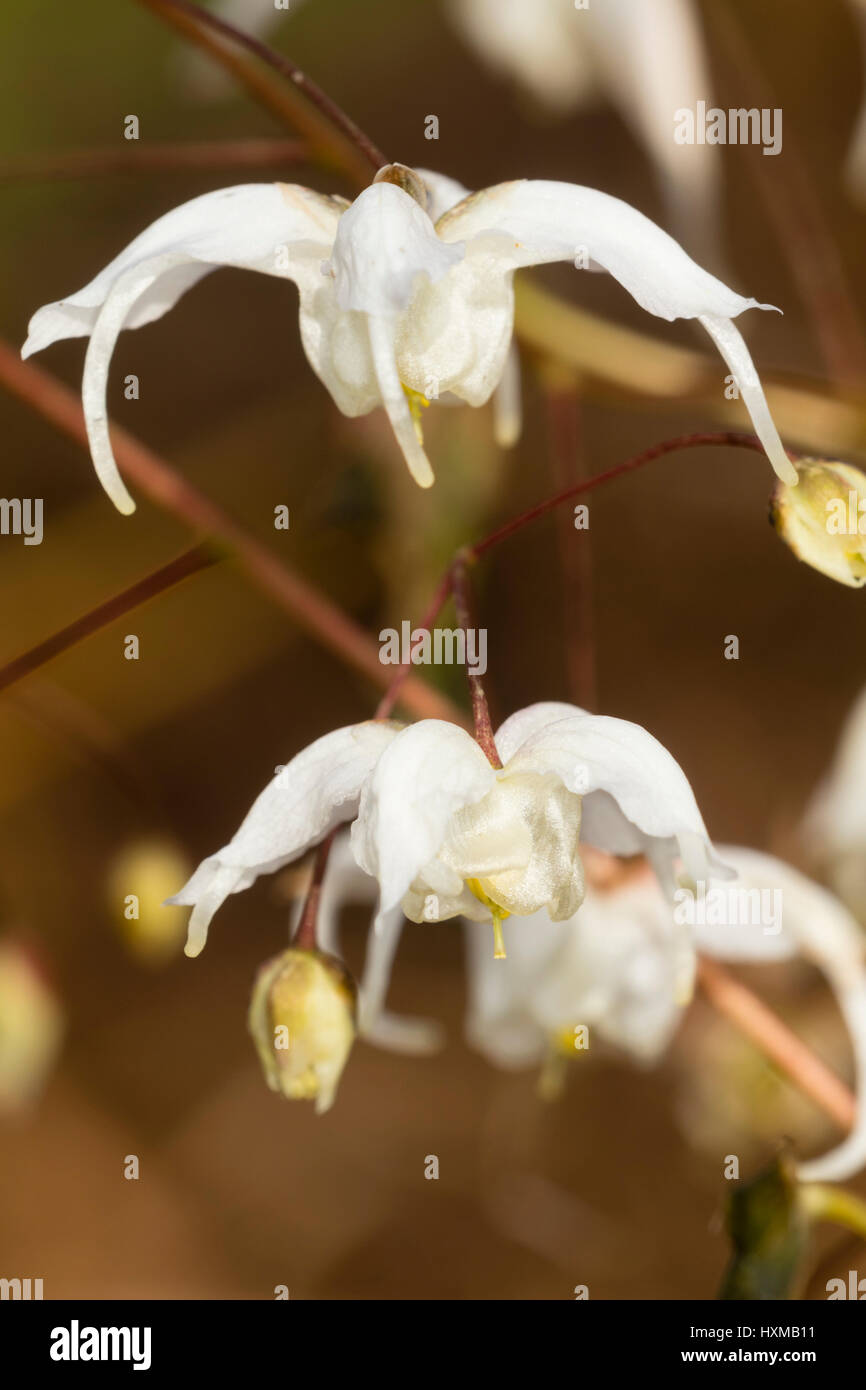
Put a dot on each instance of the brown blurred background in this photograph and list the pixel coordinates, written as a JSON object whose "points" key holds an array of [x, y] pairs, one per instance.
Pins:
{"points": [[238, 1190]]}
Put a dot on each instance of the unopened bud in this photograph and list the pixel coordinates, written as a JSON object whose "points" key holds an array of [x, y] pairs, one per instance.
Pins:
{"points": [[302, 1020], [404, 178], [823, 519]]}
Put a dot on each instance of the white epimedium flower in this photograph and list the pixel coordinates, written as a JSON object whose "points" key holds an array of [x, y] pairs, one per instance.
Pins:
{"points": [[444, 833], [617, 969], [405, 294]]}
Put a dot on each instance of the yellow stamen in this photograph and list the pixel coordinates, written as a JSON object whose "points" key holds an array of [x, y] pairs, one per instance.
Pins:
{"points": [[417, 403], [496, 912]]}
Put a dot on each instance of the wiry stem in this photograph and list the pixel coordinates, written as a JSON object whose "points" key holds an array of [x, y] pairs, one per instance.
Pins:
{"points": [[198, 19], [306, 937], [480, 712], [166, 157], [311, 609], [191, 562]]}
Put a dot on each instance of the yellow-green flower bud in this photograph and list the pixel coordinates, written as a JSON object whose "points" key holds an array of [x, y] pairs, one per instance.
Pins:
{"points": [[302, 1020], [823, 519]]}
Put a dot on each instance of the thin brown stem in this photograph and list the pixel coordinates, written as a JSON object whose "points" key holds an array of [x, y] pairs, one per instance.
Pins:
{"points": [[756, 1021], [199, 19], [437, 603], [191, 562], [312, 610], [166, 157], [306, 935], [480, 713], [728, 438]]}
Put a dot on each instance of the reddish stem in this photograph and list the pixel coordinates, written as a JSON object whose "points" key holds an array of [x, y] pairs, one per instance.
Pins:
{"points": [[305, 936], [480, 712]]}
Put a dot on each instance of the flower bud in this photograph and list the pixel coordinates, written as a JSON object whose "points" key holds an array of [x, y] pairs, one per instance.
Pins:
{"points": [[302, 1020], [823, 519], [404, 178]]}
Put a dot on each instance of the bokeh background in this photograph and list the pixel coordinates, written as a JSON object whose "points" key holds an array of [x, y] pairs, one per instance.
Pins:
{"points": [[617, 1185]]}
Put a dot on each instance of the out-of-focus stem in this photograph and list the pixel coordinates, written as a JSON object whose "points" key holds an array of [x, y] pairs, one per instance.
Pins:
{"points": [[756, 1021], [312, 610], [823, 1203], [191, 562], [165, 157], [306, 106]]}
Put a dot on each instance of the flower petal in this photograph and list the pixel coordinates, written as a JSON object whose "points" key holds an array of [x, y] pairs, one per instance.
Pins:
{"points": [[537, 221], [315, 791], [636, 797], [430, 771], [280, 230], [384, 242], [501, 1019]]}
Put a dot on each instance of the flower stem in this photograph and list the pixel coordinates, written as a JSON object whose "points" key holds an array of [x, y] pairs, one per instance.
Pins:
{"points": [[305, 936], [727, 438], [824, 1203], [751, 1016], [192, 19], [191, 562], [480, 712], [182, 155], [312, 610]]}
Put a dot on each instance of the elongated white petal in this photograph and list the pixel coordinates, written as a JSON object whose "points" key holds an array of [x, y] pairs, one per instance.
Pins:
{"points": [[636, 797], [384, 243], [314, 792], [442, 192], [344, 883], [815, 924], [537, 221], [429, 771], [382, 334], [729, 340], [280, 230]]}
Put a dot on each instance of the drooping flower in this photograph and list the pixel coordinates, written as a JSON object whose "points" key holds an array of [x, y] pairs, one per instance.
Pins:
{"points": [[823, 519], [406, 294], [444, 833], [302, 1021], [617, 969]]}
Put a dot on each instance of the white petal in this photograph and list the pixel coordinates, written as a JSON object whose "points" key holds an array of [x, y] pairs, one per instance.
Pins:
{"points": [[316, 791], [281, 230], [382, 334], [536, 221], [540, 43], [517, 728], [384, 242], [397, 1033], [636, 796], [429, 771], [825, 933]]}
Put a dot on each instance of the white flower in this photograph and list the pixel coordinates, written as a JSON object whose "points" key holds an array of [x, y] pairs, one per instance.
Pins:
{"points": [[403, 297], [618, 967], [834, 828], [444, 833], [648, 59]]}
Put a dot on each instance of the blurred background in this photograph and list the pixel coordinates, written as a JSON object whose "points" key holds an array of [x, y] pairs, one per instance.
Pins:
{"points": [[118, 775]]}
